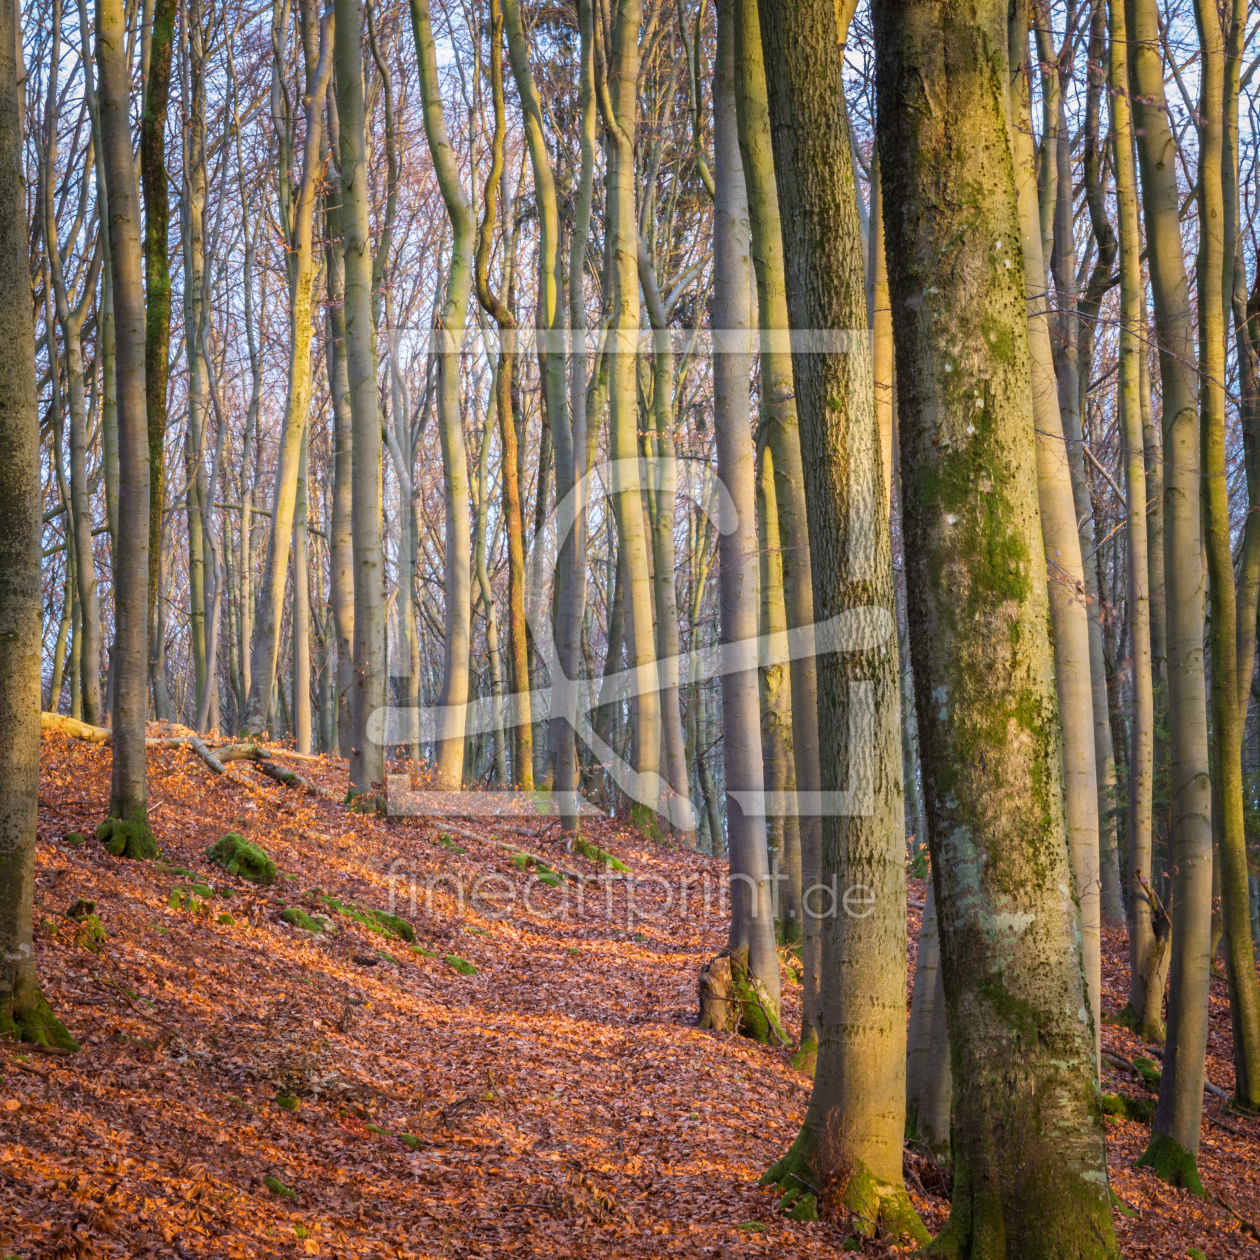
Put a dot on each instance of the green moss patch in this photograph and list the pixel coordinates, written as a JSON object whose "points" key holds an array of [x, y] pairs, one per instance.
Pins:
{"points": [[288, 1101], [410, 1141], [462, 965], [1172, 1163], [1140, 1109], [226, 920], [238, 857], [445, 842], [74, 839], [593, 853], [276, 1186], [378, 921], [1149, 1071], [299, 918]]}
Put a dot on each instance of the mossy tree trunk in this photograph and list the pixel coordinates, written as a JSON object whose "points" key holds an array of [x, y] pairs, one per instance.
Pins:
{"points": [[859, 1079], [24, 1013], [1028, 1136]]}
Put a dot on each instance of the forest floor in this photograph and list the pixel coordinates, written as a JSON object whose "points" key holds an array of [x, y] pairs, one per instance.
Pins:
{"points": [[524, 1080]]}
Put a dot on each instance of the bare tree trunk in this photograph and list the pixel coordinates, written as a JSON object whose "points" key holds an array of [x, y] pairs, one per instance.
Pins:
{"points": [[922, 1009], [778, 401], [1140, 909], [752, 915], [24, 1013], [302, 262], [1061, 542], [1227, 714], [1174, 1143], [1022, 1046], [367, 749], [859, 1081], [454, 698], [126, 829]]}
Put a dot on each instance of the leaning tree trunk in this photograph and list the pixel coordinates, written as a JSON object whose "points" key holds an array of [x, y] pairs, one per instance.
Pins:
{"points": [[1022, 1045], [859, 1082], [367, 751], [752, 916], [126, 830], [1174, 1146], [778, 404], [453, 702], [24, 1013]]}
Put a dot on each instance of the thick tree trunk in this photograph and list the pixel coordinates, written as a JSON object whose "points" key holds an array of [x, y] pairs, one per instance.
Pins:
{"points": [[127, 827], [1175, 1133], [1022, 1049], [24, 1013], [859, 1081]]}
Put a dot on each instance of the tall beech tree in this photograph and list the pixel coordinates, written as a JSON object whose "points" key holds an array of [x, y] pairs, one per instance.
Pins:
{"points": [[859, 1080], [126, 830], [24, 1012], [1028, 1139]]}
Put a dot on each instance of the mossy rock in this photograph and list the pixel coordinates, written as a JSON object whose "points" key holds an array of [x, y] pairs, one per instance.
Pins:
{"points": [[74, 839], [1149, 1071], [573, 951], [91, 934], [444, 841], [128, 838], [289, 1102], [1140, 1109], [238, 857], [204, 891], [410, 1141], [226, 920], [462, 965], [299, 918], [1195, 1253], [166, 868], [395, 924], [225, 892], [593, 853], [276, 1186]]}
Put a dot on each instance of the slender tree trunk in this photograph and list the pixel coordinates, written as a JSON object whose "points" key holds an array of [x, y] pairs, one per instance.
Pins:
{"points": [[922, 1010], [1017, 1004], [778, 402], [1061, 544], [157, 275], [617, 94], [302, 261], [752, 915], [1174, 1146], [127, 828], [302, 613], [859, 1082], [453, 702], [340, 537], [1139, 907], [1227, 714], [24, 1013], [367, 749]]}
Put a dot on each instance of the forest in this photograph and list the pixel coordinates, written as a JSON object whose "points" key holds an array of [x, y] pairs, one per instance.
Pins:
{"points": [[629, 626]]}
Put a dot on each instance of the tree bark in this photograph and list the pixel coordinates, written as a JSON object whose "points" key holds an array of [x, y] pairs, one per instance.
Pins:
{"points": [[126, 829], [24, 1013], [1017, 1004], [1174, 1143], [859, 1080]]}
